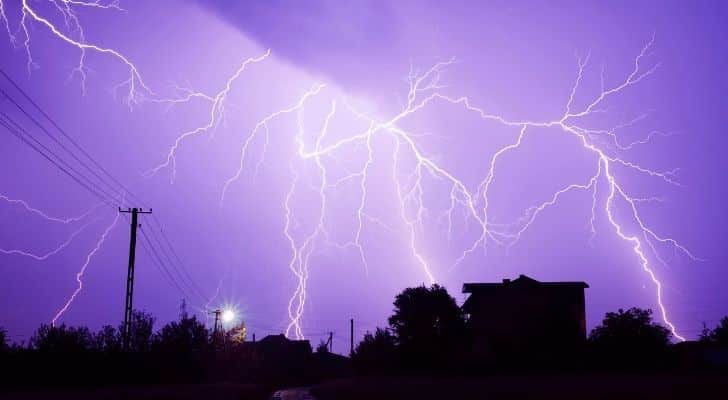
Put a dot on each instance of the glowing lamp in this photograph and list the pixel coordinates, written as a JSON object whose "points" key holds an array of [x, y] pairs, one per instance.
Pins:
{"points": [[228, 316]]}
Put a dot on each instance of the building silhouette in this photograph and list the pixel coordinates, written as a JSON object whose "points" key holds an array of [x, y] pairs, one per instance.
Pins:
{"points": [[524, 317]]}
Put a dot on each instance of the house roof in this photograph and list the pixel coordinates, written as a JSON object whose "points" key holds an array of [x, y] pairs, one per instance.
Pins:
{"points": [[281, 344], [281, 340], [521, 281]]}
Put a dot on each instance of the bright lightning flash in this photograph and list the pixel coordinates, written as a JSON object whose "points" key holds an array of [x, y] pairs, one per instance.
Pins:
{"points": [[425, 89]]}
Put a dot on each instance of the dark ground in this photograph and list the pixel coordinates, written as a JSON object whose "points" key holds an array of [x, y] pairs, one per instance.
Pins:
{"points": [[563, 387], [220, 391]]}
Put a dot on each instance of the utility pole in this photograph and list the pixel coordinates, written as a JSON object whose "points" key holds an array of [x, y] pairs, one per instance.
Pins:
{"points": [[126, 335], [351, 337], [331, 342], [215, 329]]}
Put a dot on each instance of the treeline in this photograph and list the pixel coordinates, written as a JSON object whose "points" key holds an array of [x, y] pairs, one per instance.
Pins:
{"points": [[182, 351], [428, 333]]}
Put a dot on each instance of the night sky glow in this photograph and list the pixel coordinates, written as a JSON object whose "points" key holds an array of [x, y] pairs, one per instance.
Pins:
{"points": [[306, 163]]}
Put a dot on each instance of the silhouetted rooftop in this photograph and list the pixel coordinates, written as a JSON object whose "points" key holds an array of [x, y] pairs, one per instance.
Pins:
{"points": [[520, 282]]}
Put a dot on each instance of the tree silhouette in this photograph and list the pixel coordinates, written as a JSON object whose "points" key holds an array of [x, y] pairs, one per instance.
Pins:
{"points": [[181, 347], [141, 332], [322, 347], [634, 326], [107, 340], [377, 352], [188, 335], [61, 339], [704, 336], [237, 334], [718, 335], [630, 338], [3, 339], [428, 325]]}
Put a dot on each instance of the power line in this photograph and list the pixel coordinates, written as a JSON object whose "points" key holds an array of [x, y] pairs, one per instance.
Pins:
{"points": [[152, 234], [20, 133], [159, 263], [186, 279], [156, 263], [179, 260], [67, 136], [55, 140], [14, 128], [174, 262], [117, 193]]}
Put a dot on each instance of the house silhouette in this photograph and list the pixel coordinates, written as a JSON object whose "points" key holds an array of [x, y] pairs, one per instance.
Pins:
{"points": [[524, 317]]}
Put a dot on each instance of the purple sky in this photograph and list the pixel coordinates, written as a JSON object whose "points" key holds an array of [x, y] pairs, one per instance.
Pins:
{"points": [[515, 61]]}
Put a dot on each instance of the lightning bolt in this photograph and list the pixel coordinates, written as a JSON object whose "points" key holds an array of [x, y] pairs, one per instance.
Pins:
{"points": [[215, 294], [54, 251], [300, 293], [301, 255], [45, 216], [72, 34], [363, 176], [263, 125], [216, 113], [82, 271], [409, 179], [70, 220], [425, 90], [4, 20]]}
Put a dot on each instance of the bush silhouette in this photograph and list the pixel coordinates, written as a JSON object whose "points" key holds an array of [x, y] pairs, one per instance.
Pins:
{"points": [[61, 339], [629, 339], [376, 353], [188, 335]]}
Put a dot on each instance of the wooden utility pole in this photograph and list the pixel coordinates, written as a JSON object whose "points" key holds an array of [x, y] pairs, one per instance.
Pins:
{"points": [[126, 335], [351, 337]]}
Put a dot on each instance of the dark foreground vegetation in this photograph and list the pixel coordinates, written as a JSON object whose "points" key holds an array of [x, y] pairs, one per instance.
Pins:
{"points": [[182, 360], [424, 352]]}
